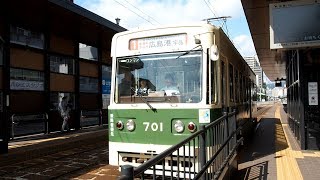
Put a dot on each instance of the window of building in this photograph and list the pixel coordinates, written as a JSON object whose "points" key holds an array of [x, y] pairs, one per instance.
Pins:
{"points": [[26, 37], [22, 79], [56, 97], [88, 52], [61, 64], [88, 85]]}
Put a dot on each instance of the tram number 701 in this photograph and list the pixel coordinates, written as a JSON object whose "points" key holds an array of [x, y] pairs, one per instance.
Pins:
{"points": [[153, 126]]}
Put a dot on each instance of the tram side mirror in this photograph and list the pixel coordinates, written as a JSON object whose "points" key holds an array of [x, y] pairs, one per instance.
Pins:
{"points": [[214, 52]]}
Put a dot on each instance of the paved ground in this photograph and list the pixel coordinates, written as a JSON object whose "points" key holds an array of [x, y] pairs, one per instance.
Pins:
{"points": [[75, 155], [275, 154]]}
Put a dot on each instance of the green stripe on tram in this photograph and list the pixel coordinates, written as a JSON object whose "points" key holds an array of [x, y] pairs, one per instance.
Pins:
{"points": [[154, 127]]}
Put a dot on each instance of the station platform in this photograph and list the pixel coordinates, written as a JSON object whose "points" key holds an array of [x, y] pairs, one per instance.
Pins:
{"points": [[274, 153]]}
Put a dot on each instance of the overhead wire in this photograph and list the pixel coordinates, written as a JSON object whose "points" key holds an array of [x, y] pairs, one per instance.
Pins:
{"points": [[143, 12], [134, 12], [214, 14], [224, 22]]}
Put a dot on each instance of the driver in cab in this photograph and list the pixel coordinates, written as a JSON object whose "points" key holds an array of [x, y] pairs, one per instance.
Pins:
{"points": [[170, 88]]}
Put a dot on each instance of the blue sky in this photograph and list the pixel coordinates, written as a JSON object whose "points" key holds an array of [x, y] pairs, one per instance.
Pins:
{"points": [[144, 13]]}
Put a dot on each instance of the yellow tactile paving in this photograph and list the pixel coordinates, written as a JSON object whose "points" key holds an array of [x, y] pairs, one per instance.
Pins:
{"points": [[287, 166]]}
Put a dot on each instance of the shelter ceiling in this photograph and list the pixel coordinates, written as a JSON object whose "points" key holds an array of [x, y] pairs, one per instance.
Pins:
{"points": [[272, 62]]}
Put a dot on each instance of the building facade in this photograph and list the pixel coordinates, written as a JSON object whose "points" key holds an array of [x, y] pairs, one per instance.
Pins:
{"points": [[50, 49], [256, 68]]}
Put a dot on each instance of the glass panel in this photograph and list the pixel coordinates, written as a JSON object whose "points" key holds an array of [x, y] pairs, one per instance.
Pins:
{"points": [[231, 83], [236, 79], [89, 117], [214, 82], [88, 84], [88, 52], [1, 101], [161, 78], [61, 64], [56, 97], [22, 79], [1, 53], [25, 124], [26, 37]]}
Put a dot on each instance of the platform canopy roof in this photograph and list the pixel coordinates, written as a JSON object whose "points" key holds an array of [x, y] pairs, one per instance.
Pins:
{"points": [[273, 61]]}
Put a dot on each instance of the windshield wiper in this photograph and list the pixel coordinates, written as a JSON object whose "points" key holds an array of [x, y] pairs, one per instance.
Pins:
{"points": [[187, 52], [144, 100]]}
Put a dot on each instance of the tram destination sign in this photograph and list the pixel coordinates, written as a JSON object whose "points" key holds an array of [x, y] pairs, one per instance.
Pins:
{"points": [[294, 24], [158, 42]]}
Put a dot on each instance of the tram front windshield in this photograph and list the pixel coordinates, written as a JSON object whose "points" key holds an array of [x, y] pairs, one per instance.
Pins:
{"points": [[159, 78]]}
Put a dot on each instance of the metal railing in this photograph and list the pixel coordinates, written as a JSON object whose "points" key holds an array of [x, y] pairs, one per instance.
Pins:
{"points": [[28, 123], [204, 155]]}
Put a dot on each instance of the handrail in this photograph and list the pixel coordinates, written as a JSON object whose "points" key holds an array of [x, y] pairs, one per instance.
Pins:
{"points": [[129, 172], [160, 156], [200, 173]]}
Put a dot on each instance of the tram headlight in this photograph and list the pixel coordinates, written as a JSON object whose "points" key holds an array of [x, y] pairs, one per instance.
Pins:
{"points": [[192, 127], [179, 126], [130, 125], [119, 125]]}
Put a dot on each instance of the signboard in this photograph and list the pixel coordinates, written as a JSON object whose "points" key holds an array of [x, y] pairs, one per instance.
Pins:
{"points": [[204, 115], [26, 85], [313, 93], [294, 24], [105, 101], [158, 42], [106, 86]]}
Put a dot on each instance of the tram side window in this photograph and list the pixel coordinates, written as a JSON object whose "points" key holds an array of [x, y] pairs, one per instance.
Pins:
{"points": [[231, 83], [247, 89], [214, 82], [243, 92], [223, 83], [236, 80], [240, 88]]}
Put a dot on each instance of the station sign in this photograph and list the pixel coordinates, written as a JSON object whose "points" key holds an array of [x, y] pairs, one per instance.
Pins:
{"points": [[26, 85], [313, 93], [294, 24]]}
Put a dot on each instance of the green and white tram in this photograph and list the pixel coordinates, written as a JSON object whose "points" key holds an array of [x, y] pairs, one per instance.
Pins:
{"points": [[192, 74]]}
